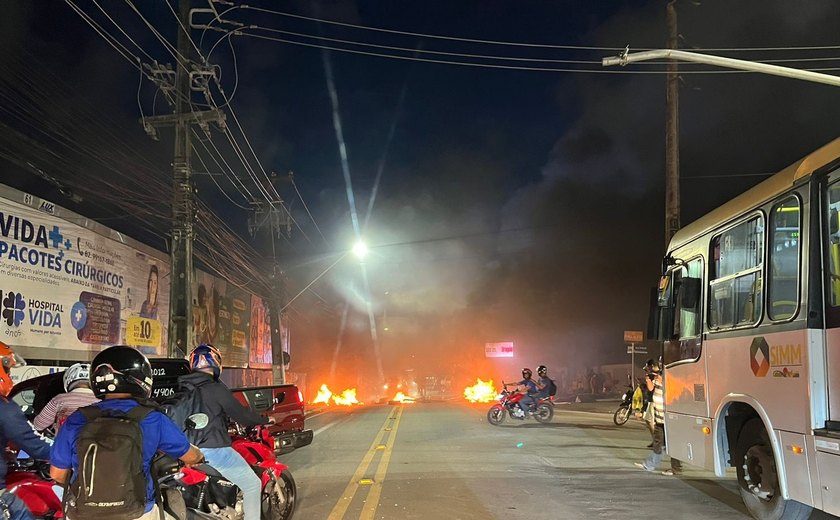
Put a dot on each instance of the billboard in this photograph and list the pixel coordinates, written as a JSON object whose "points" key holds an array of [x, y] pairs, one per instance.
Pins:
{"points": [[260, 324], [221, 314], [72, 286], [503, 349]]}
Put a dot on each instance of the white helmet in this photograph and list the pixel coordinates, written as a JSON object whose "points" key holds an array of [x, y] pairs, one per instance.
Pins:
{"points": [[76, 374]]}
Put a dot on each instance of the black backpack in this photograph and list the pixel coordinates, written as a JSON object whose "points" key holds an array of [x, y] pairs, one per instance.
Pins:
{"points": [[185, 403], [110, 483]]}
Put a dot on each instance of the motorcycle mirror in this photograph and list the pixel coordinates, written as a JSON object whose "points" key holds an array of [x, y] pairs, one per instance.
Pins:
{"points": [[197, 421]]}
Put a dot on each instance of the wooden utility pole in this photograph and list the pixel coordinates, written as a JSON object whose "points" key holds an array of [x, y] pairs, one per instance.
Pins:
{"points": [[672, 130]]}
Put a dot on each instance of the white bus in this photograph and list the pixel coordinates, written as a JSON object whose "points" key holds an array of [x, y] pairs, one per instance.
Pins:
{"points": [[749, 313]]}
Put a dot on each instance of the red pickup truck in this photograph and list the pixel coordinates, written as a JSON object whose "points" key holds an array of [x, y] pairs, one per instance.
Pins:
{"points": [[283, 402]]}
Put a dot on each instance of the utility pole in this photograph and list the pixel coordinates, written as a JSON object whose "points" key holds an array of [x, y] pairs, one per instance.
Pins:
{"points": [[672, 131], [274, 215], [183, 203]]}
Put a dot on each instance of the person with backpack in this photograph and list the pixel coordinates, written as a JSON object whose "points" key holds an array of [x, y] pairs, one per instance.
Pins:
{"points": [[105, 450], [15, 428], [204, 393], [77, 394], [545, 387]]}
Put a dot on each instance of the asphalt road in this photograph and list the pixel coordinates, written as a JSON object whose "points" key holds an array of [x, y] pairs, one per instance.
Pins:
{"points": [[444, 461]]}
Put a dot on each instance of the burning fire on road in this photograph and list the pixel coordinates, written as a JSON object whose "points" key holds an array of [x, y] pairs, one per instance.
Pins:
{"points": [[345, 398], [480, 392], [402, 398]]}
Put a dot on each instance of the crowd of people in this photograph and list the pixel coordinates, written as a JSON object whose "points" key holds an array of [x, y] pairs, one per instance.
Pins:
{"points": [[107, 430]]}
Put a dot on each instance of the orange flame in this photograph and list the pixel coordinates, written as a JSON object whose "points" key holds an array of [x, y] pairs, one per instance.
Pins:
{"points": [[323, 396], [480, 392], [346, 398], [402, 398]]}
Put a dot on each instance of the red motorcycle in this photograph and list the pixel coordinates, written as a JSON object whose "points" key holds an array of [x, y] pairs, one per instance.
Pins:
{"points": [[202, 492], [543, 412], [30, 480]]}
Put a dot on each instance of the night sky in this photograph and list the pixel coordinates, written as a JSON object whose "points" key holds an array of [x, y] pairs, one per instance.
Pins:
{"points": [[513, 204]]}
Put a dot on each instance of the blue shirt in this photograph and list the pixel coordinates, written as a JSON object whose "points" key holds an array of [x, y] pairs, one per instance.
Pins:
{"points": [[159, 433], [530, 384]]}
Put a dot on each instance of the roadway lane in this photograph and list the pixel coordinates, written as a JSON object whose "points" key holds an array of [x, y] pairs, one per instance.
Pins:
{"points": [[443, 460]]}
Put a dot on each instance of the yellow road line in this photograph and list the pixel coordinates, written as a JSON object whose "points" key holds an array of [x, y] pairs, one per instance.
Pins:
{"points": [[350, 491], [372, 501]]}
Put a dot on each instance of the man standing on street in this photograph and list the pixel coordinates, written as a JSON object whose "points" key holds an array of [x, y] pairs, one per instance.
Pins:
{"points": [[655, 384]]}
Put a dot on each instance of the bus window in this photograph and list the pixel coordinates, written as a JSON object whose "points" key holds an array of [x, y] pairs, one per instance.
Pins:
{"points": [[783, 269], [685, 333], [735, 285]]}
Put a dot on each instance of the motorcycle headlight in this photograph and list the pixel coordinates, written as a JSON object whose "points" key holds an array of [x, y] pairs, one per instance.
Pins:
{"points": [[623, 396]]}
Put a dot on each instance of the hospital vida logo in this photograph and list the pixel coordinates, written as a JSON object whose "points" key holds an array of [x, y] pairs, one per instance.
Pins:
{"points": [[13, 308]]}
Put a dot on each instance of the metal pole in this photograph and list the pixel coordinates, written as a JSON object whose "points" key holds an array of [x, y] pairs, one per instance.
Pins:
{"points": [[183, 208], [719, 61], [672, 137], [633, 365]]}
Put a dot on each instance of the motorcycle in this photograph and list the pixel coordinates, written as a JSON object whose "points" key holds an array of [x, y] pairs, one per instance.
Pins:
{"points": [[626, 407], [201, 492], [30, 480], [543, 412]]}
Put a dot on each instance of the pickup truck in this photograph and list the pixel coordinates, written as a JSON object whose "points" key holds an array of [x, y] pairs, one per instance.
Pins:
{"points": [[282, 402]]}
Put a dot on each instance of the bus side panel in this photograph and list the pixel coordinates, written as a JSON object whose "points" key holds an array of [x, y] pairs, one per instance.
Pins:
{"points": [[771, 368], [687, 441], [685, 388], [797, 467], [829, 468]]}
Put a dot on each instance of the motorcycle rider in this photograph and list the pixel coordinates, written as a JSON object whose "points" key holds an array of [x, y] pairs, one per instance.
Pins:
{"points": [[77, 394], [526, 386], [543, 388], [15, 428], [121, 376], [219, 404]]}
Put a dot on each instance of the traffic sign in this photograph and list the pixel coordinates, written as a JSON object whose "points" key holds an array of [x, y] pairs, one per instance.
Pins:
{"points": [[634, 336], [636, 349]]}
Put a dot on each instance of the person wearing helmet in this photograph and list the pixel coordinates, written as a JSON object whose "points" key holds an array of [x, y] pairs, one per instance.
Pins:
{"points": [[121, 377], [527, 386], [15, 428], [545, 385], [77, 394], [218, 402]]}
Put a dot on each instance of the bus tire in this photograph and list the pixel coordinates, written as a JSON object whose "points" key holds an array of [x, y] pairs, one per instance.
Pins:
{"points": [[758, 481]]}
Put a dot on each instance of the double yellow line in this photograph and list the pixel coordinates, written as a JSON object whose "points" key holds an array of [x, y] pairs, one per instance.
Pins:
{"points": [[389, 428]]}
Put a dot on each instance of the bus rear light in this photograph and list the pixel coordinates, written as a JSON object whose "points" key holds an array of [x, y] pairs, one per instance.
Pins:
{"points": [[706, 430], [797, 449]]}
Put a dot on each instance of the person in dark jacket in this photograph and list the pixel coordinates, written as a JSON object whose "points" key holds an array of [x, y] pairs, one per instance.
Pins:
{"points": [[15, 428], [220, 405]]}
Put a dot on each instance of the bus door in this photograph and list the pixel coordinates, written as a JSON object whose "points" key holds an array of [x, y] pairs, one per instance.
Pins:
{"points": [[831, 280]]}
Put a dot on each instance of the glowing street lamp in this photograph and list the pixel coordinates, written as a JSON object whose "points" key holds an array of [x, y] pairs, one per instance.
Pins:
{"points": [[360, 250]]}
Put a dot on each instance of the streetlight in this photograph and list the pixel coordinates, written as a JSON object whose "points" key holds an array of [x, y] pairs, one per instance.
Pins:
{"points": [[719, 61], [360, 250]]}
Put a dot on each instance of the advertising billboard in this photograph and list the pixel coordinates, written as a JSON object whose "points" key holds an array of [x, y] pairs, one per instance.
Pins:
{"points": [[72, 286], [221, 313]]}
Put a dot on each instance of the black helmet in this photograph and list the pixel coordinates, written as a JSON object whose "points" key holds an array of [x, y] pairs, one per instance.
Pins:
{"points": [[542, 370], [121, 370], [526, 373]]}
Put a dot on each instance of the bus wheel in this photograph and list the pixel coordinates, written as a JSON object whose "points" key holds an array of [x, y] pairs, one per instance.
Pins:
{"points": [[758, 480]]}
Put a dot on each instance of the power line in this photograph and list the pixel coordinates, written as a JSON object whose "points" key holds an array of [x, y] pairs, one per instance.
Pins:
{"points": [[498, 66], [518, 44]]}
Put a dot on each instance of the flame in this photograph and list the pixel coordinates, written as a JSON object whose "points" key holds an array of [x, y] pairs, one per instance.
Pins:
{"points": [[347, 397], [323, 396], [402, 398], [480, 392]]}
